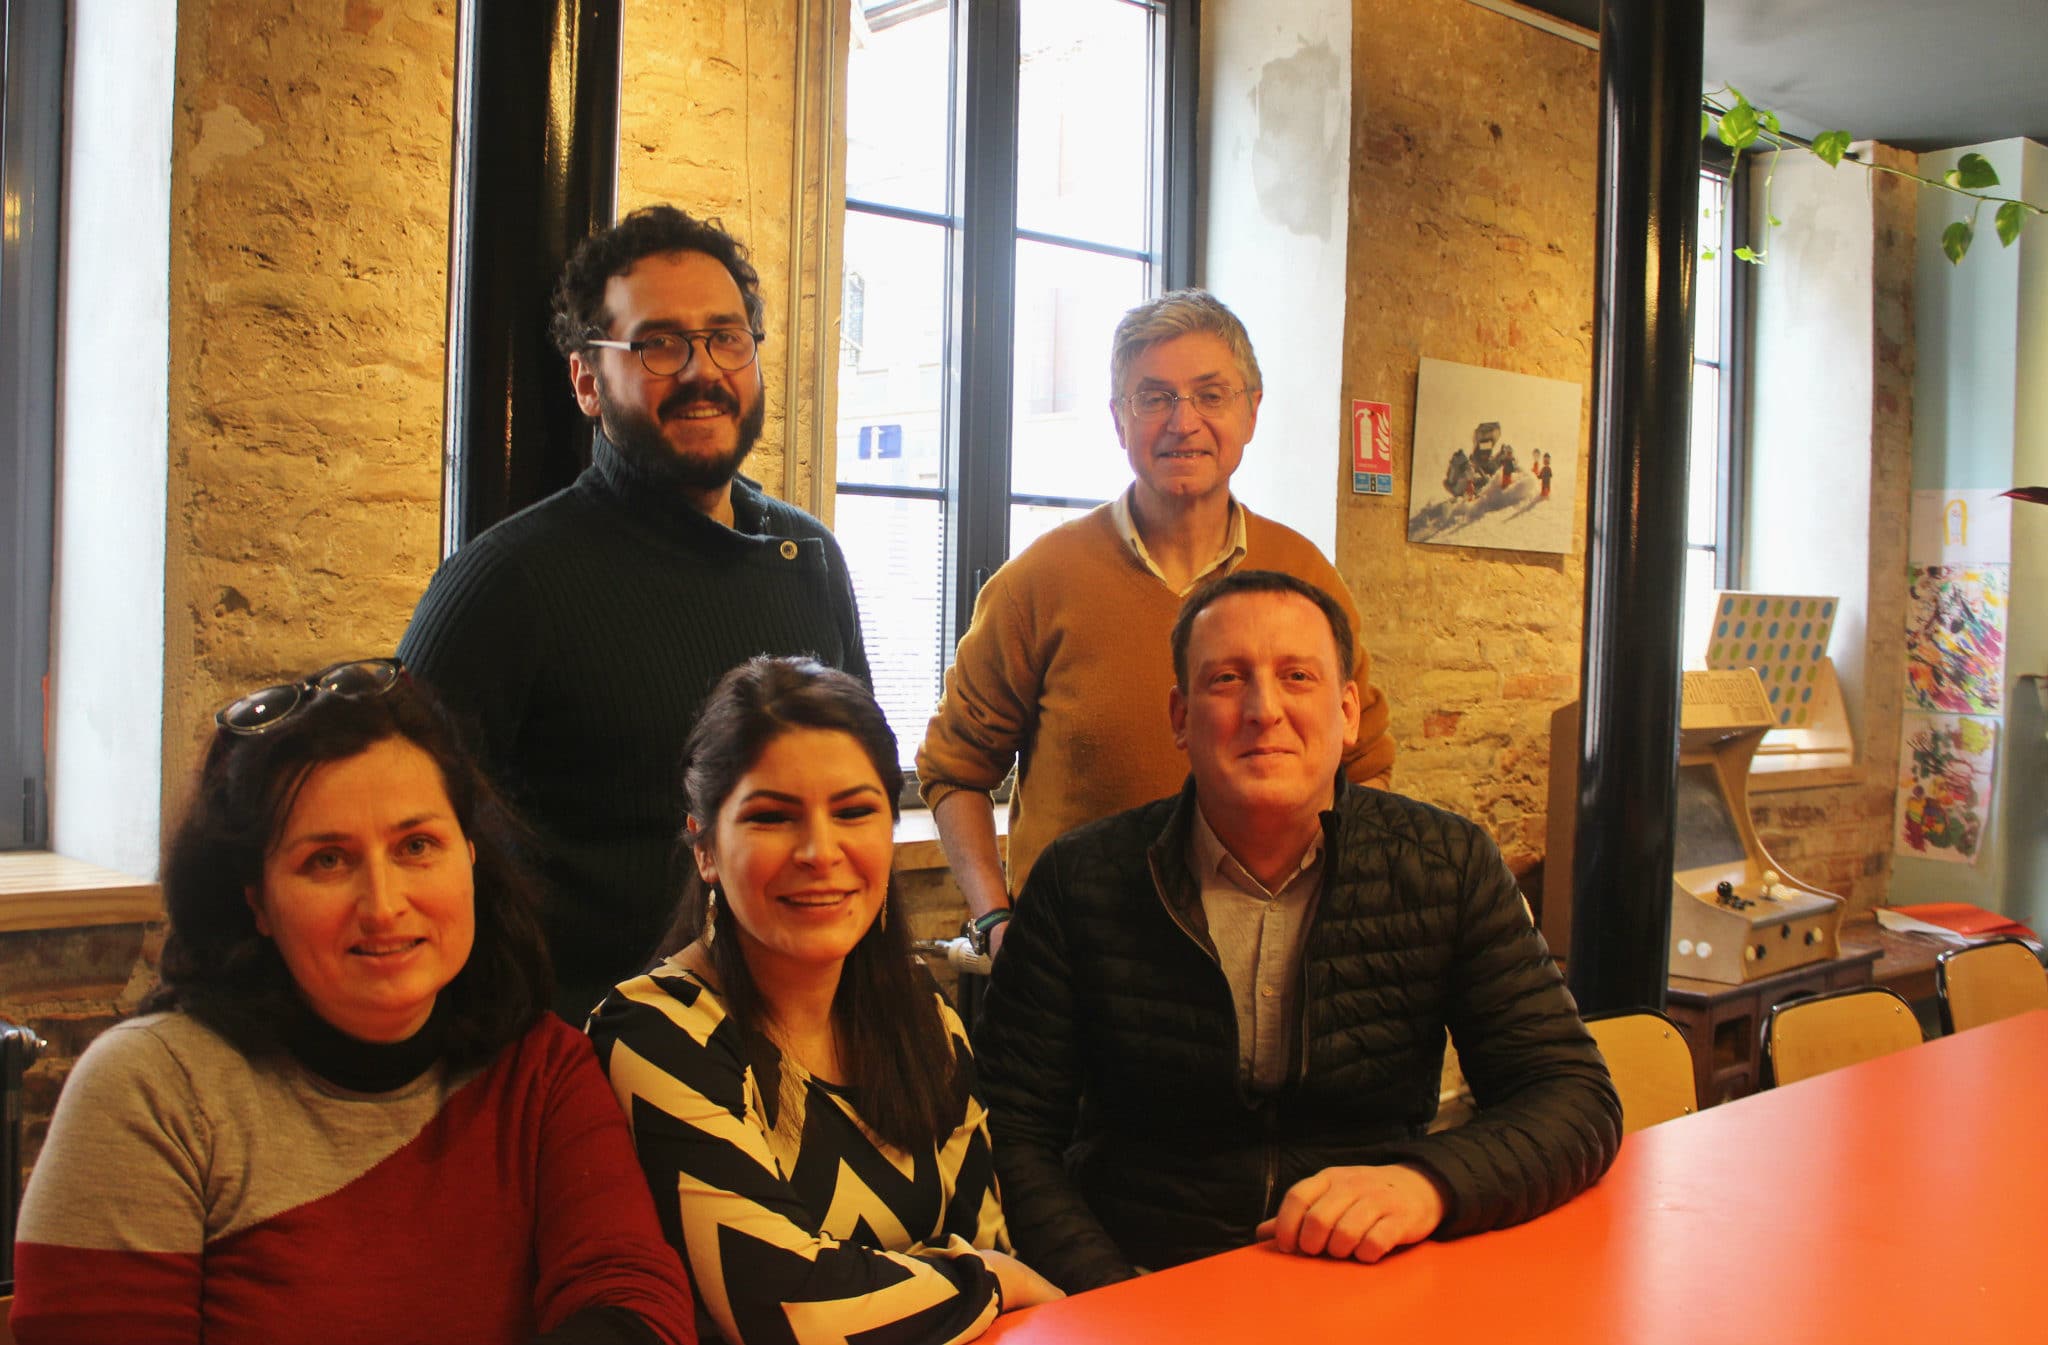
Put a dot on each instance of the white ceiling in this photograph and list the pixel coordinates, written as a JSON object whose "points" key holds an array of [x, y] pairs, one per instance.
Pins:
{"points": [[1921, 74]]}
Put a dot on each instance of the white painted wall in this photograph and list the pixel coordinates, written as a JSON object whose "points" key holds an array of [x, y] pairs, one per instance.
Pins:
{"points": [[1980, 395], [107, 638], [1809, 496], [1274, 213]]}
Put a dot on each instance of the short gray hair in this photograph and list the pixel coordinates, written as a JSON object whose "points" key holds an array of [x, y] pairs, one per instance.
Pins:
{"points": [[1178, 313]]}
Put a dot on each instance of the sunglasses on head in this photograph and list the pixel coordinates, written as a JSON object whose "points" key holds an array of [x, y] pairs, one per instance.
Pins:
{"points": [[261, 711]]}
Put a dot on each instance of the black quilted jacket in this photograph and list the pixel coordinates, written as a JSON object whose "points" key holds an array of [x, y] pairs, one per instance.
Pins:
{"points": [[1108, 1043]]}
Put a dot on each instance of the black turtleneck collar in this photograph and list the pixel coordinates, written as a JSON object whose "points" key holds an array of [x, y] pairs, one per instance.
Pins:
{"points": [[650, 496], [365, 1066]]}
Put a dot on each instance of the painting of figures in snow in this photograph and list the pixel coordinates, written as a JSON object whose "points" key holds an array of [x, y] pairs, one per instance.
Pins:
{"points": [[1496, 459]]}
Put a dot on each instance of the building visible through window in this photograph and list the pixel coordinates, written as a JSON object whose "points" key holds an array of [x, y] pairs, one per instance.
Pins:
{"points": [[1006, 202]]}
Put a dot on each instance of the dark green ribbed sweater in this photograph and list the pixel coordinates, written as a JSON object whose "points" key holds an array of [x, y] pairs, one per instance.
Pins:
{"points": [[580, 637]]}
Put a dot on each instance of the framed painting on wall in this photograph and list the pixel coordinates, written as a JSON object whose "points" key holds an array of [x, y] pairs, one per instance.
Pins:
{"points": [[1495, 459]]}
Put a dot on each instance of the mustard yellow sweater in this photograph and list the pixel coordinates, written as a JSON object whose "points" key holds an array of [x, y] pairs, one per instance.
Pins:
{"points": [[1065, 670]]}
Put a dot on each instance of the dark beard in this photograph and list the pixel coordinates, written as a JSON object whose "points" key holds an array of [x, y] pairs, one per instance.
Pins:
{"points": [[648, 454]]}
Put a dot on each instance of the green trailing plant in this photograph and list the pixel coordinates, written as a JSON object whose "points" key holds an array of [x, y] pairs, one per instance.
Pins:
{"points": [[1741, 126]]}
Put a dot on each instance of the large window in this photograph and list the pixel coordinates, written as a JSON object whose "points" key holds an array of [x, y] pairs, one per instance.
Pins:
{"points": [[31, 140], [1015, 180], [1716, 468]]}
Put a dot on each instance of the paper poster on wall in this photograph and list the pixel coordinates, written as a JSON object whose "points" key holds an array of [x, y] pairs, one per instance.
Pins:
{"points": [[1495, 459], [1952, 526], [1955, 637], [1783, 636], [1944, 786]]}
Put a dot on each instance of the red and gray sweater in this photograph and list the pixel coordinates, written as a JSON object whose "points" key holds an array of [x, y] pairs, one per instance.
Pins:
{"points": [[187, 1192]]}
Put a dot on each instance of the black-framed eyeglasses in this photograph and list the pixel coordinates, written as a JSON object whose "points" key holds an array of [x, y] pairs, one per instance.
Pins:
{"points": [[261, 711], [665, 353], [1153, 404]]}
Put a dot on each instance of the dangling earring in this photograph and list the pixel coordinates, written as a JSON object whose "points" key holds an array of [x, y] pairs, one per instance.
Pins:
{"points": [[711, 915]]}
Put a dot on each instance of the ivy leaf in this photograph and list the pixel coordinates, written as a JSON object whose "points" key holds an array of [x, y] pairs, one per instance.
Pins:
{"points": [[1830, 146], [1955, 240], [1749, 255], [2010, 217], [1973, 172], [1706, 124], [1776, 223], [1739, 125], [1706, 254], [1770, 120]]}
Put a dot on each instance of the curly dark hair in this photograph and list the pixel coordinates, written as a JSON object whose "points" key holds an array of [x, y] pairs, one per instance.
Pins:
{"points": [[893, 1046], [649, 231], [220, 969]]}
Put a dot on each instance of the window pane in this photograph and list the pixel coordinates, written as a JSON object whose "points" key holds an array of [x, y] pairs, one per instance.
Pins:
{"points": [[1697, 615], [891, 351], [1703, 467], [1064, 439], [1712, 277], [1084, 120], [1029, 522], [895, 550], [898, 94]]}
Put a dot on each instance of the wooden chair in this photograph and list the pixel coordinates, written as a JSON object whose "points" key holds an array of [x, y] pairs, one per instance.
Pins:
{"points": [[1651, 1065], [1805, 1037], [1988, 981]]}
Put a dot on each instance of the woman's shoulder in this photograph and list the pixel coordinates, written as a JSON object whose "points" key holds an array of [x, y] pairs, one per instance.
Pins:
{"points": [[154, 1046], [671, 1019]]}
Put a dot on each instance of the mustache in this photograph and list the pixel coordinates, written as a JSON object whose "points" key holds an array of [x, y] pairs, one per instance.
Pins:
{"points": [[706, 394]]}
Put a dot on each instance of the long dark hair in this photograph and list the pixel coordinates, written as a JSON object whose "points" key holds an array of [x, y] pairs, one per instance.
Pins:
{"points": [[892, 1044], [220, 969]]}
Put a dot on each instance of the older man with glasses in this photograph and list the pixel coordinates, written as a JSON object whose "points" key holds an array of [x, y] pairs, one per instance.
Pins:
{"points": [[583, 634], [1060, 670]]}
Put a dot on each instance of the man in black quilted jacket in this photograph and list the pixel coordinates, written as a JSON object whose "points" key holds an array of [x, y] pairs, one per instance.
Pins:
{"points": [[1221, 1016]]}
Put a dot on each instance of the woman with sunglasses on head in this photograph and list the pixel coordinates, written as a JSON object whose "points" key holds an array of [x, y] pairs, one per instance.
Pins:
{"points": [[801, 1095], [346, 1113]]}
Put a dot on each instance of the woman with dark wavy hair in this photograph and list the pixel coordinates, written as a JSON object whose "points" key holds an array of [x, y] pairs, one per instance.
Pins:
{"points": [[346, 1112], [802, 1096]]}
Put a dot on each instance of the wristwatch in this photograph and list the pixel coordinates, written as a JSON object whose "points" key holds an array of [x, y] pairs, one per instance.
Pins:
{"points": [[981, 926]]}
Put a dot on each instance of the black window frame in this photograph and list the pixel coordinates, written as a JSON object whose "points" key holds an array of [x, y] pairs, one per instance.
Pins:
{"points": [[1738, 281], [31, 173], [981, 234]]}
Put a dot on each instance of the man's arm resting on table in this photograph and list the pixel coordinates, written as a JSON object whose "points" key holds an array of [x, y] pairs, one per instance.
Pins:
{"points": [[966, 819], [1356, 1213]]}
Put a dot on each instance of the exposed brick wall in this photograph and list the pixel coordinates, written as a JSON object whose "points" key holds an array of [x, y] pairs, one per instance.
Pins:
{"points": [[1472, 234], [310, 174], [70, 985], [709, 123]]}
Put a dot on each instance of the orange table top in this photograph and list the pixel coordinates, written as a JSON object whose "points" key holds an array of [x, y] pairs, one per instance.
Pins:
{"points": [[1904, 1199]]}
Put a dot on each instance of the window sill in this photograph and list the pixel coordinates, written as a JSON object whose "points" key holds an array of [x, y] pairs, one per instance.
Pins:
{"points": [[917, 840], [39, 890]]}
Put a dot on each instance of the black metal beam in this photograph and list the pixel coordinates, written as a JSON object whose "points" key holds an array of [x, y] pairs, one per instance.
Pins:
{"points": [[536, 171], [1635, 543]]}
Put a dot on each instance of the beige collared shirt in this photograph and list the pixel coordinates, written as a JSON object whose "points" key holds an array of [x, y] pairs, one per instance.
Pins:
{"points": [[1259, 935], [1225, 560]]}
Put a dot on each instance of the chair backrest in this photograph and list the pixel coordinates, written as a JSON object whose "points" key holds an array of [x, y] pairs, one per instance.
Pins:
{"points": [[1651, 1065], [1805, 1037], [1988, 981]]}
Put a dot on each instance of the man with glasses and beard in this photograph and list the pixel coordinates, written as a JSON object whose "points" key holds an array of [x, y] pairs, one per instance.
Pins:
{"points": [[582, 635]]}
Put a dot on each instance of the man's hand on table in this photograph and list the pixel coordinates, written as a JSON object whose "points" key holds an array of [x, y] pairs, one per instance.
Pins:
{"points": [[1360, 1213]]}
